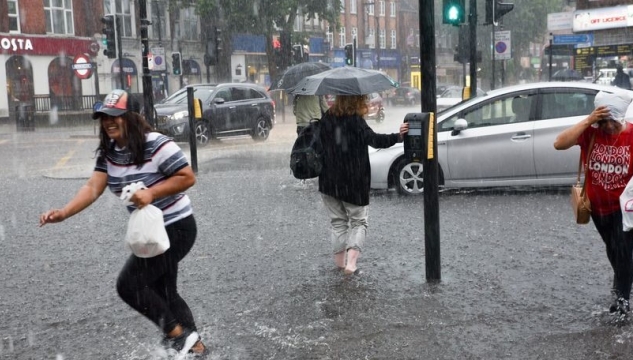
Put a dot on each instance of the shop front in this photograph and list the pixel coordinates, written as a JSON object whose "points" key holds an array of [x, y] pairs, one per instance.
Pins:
{"points": [[38, 73]]}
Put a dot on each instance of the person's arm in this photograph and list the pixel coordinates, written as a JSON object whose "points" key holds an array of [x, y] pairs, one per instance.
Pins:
{"points": [[569, 137], [86, 195], [180, 181]]}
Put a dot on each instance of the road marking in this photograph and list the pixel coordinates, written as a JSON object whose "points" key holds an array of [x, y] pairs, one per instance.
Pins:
{"points": [[69, 155]]}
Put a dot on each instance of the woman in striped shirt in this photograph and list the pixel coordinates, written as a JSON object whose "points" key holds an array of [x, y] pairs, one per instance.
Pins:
{"points": [[129, 152]]}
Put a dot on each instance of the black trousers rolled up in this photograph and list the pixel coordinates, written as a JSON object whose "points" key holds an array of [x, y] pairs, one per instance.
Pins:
{"points": [[619, 246], [149, 285]]}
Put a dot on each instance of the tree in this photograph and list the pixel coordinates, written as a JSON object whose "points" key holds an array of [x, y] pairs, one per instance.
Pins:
{"points": [[527, 23], [267, 18]]}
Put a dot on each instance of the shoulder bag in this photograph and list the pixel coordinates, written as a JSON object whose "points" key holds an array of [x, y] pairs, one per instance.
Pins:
{"points": [[579, 201]]}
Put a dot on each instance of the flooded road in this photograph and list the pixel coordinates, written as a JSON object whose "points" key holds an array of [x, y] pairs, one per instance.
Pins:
{"points": [[520, 280]]}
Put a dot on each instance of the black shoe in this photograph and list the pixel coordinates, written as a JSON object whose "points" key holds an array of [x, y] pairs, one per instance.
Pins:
{"points": [[621, 305]]}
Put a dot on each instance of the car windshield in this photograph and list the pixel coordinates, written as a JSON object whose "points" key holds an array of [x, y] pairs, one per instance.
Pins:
{"points": [[180, 97]]}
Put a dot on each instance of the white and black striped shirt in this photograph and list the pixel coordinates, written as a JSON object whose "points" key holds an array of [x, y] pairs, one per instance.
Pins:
{"points": [[162, 159]]}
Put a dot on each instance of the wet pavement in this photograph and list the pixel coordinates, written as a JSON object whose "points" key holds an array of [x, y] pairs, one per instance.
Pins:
{"points": [[520, 280]]}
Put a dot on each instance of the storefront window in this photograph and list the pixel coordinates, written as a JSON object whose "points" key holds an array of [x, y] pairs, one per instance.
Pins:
{"points": [[59, 16], [14, 16]]}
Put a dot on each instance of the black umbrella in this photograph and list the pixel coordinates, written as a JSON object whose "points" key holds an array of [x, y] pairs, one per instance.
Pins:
{"points": [[295, 73], [344, 81], [567, 75]]}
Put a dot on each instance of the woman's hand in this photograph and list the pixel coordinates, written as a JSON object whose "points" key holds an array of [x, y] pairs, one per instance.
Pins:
{"points": [[52, 216], [142, 198], [404, 129], [598, 114]]}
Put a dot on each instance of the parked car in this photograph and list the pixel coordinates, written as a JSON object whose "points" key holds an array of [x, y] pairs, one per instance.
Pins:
{"points": [[228, 109], [375, 104], [504, 138], [451, 96], [406, 96]]}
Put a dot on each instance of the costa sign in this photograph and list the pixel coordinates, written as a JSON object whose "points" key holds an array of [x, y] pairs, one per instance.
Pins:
{"points": [[34, 45]]}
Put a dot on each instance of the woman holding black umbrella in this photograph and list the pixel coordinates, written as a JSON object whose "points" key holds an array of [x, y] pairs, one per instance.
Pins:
{"points": [[346, 175]]}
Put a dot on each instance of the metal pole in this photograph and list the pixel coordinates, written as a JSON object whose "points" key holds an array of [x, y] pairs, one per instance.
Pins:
{"points": [[550, 57], [117, 26], [472, 23], [354, 42], [377, 39], [431, 167], [96, 75], [193, 146], [492, 78], [148, 93]]}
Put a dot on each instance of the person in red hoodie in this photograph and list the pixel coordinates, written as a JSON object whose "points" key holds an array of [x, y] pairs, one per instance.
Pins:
{"points": [[610, 167]]}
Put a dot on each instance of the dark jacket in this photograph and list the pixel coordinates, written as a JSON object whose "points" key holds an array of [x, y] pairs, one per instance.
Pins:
{"points": [[622, 80], [346, 173]]}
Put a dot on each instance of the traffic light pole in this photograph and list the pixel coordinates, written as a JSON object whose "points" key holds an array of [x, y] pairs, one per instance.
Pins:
{"points": [[431, 166], [119, 46], [354, 44], [492, 73], [472, 23], [148, 93]]}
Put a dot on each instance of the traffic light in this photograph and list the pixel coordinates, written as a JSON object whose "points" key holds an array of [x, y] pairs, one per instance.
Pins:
{"points": [[214, 46], [109, 41], [176, 61], [495, 9], [218, 39], [349, 54], [454, 12]]}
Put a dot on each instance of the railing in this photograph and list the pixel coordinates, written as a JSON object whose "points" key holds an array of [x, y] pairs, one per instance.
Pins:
{"points": [[45, 103]]}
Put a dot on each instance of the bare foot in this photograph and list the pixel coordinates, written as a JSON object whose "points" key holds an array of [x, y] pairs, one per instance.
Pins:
{"points": [[339, 260], [352, 256]]}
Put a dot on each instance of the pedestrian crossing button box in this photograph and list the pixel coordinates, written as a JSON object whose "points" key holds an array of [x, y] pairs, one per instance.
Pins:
{"points": [[414, 140]]}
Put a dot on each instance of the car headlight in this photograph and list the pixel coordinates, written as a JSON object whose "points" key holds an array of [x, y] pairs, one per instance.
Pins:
{"points": [[180, 115]]}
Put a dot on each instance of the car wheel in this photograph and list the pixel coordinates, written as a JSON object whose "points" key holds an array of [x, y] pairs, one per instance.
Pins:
{"points": [[408, 177], [381, 116], [412, 102], [203, 133], [261, 130]]}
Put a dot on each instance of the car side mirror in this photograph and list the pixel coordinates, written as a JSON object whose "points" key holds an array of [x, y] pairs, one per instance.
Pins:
{"points": [[460, 124], [219, 100]]}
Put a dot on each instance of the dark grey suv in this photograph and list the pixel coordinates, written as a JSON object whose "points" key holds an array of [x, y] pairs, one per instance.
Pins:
{"points": [[227, 110]]}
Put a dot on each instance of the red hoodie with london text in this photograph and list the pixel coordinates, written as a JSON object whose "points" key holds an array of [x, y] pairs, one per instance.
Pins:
{"points": [[610, 167]]}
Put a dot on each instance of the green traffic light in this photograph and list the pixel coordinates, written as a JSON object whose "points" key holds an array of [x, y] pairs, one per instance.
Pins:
{"points": [[453, 13]]}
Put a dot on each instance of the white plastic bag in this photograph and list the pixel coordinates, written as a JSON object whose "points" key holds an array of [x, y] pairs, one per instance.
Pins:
{"points": [[626, 205], [146, 235]]}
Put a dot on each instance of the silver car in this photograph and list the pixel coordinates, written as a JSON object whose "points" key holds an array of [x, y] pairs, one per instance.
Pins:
{"points": [[502, 139]]}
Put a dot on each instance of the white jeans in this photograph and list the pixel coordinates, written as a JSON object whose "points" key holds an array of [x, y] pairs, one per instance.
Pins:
{"points": [[348, 224]]}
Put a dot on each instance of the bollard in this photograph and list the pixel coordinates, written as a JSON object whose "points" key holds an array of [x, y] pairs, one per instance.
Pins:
{"points": [[24, 118]]}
